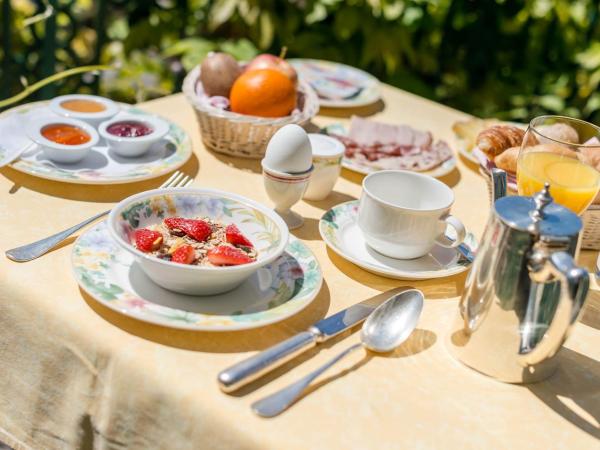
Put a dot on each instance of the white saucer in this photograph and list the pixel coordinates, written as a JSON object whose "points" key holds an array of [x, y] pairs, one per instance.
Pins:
{"points": [[339, 230], [275, 292]]}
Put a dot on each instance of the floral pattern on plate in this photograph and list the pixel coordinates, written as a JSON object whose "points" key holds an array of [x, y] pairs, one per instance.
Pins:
{"points": [[102, 167], [275, 292], [339, 230], [324, 76]]}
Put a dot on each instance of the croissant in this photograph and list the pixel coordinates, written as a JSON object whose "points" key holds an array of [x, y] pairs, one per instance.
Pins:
{"points": [[498, 138]]}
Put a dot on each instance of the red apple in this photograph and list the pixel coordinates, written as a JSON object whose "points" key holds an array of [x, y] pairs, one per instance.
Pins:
{"points": [[266, 61]]}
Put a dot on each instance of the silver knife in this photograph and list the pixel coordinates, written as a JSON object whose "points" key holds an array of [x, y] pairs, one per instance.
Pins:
{"points": [[256, 366]]}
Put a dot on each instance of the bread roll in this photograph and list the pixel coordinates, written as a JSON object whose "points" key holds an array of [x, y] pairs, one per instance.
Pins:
{"points": [[559, 132], [498, 138], [507, 160]]}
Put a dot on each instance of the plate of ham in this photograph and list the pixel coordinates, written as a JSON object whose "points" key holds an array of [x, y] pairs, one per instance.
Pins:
{"points": [[373, 146]]}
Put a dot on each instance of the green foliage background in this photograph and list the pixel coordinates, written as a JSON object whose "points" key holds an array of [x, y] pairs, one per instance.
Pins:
{"points": [[509, 58]]}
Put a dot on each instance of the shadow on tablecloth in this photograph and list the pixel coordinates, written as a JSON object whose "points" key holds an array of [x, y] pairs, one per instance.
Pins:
{"points": [[573, 390], [216, 341], [437, 288], [103, 193]]}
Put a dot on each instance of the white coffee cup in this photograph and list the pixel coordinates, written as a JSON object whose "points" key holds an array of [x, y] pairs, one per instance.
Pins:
{"points": [[404, 214]]}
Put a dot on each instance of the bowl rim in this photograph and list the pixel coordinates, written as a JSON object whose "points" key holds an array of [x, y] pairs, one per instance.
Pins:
{"points": [[112, 107], [34, 131], [115, 211], [160, 128]]}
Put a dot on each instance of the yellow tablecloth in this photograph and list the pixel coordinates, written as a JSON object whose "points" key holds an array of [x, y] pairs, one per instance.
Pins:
{"points": [[73, 373]]}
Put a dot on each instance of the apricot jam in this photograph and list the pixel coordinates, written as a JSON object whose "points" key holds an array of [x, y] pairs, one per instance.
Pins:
{"points": [[65, 134], [83, 106]]}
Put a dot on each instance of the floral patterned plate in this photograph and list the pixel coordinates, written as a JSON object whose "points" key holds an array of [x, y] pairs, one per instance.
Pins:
{"points": [[277, 291], [100, 166], [338, 85], [339, 229]]}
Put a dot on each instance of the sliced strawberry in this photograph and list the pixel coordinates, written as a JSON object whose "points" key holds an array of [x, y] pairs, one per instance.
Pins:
{"points": [[147, 240], [198, 229], [224, 255], [234, 236], [184, 254], [194, 228], [175, 223]]}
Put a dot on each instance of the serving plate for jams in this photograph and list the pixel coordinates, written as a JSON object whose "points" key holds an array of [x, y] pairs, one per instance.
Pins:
{"points": [[339, 229], [100, 166], [275, 292]]}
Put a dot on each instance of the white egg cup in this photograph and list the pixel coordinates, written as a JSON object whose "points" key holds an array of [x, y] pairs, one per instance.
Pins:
{"points": [[285, 190]]}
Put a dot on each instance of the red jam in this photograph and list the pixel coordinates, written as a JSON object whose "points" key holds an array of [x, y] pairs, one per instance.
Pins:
{"points": [[65, 134], [129, 128]]}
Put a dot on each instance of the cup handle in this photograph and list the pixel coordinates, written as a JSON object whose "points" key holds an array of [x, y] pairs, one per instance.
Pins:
{"points": [[459, 228]]}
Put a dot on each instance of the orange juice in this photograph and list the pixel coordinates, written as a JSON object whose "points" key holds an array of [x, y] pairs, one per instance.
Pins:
{"points": [[572, 183]]}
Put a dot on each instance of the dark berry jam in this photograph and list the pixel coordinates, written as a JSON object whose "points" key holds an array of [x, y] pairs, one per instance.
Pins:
{"points": [[129, 128]]}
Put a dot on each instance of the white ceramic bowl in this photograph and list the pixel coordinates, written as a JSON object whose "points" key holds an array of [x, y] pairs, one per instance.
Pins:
{"points": [[260, 224], [62, 153], [93, 118], [130, 147]]}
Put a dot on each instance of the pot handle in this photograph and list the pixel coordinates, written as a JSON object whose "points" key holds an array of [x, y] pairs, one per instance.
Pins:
{"points": [[574, 285], [498, 184]]}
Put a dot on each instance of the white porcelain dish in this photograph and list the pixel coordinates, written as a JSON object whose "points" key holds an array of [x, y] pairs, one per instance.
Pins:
{"points": [[403, 214], [325, 76], [339, 229], [265, 229], [100, 166], [285, 190], [62, 153], [93, 118], [111, 276], [130, 147]]}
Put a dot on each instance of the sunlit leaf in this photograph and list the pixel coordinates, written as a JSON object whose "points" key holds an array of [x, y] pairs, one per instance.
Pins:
{"points": [[266, 30], [221, 12]]}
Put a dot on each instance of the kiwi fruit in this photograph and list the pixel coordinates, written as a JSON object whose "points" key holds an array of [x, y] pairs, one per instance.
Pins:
{"points": [[218, 72]]}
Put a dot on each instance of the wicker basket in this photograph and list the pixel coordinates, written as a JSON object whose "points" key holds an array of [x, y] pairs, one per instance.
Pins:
{"points": [[242, 135], [590, 218]]}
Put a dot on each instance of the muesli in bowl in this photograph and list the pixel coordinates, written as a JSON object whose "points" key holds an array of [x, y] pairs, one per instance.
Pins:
{"points": [[198, 241], [171, 233]]}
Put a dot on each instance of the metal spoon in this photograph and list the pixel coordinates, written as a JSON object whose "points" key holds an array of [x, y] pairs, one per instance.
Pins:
{"points": [[385, 329]]}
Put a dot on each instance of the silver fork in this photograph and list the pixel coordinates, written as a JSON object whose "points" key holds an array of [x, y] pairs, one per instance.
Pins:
{"points": [[38, 248]]}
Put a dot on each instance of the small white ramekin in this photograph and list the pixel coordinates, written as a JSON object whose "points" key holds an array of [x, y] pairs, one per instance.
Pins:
{"points": [[327, 153], [130, 147], [95, 118], [62, 153]]}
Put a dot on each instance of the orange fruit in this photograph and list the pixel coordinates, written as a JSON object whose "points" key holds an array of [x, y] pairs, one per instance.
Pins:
{"points": [[264, 93]]}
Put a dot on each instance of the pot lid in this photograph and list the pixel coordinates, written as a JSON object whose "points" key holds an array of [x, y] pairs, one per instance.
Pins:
{"points": [[538, 215]]}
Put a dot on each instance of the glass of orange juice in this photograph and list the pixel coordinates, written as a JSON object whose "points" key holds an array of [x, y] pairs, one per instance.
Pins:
{"points": [[565, 153]]}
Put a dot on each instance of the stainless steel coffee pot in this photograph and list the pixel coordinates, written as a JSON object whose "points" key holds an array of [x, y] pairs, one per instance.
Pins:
{"points": [[524, 291]]}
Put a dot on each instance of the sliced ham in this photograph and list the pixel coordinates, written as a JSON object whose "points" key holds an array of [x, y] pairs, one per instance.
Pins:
{"points": [[385, 146]]}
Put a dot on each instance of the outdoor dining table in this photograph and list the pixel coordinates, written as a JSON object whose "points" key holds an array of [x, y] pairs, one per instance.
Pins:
{"points": [[75, 374]]}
